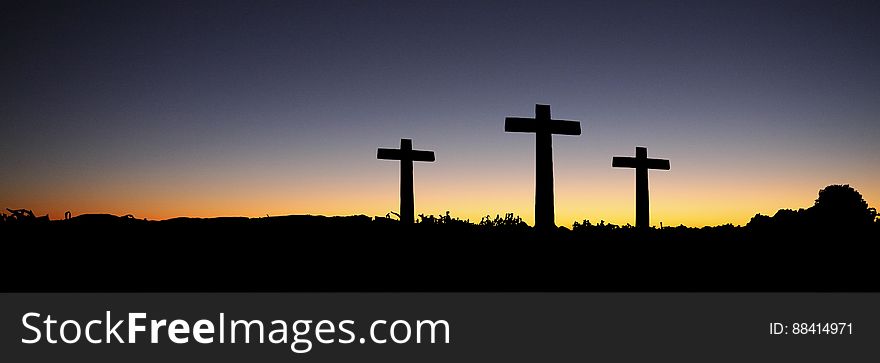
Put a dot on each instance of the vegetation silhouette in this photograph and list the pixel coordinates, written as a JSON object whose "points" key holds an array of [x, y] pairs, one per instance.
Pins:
{"points": [[822, 248], [839, 210], [22, 216]]}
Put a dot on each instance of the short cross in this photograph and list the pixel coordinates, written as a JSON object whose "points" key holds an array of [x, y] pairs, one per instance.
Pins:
{"points": [[641, 163], [406, 155]]}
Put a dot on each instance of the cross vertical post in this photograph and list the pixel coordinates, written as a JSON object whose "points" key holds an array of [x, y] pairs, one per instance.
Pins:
{"points": [[407, 200], [643, 208], [544, 203]]}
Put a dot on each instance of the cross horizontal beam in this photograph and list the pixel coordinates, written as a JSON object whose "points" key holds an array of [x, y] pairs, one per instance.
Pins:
{"points": [[558, 127], [628, 162], [411, 155]]}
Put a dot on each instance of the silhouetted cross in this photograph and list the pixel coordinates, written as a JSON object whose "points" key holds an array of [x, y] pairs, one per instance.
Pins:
{"points": [[543, 127], [406, 155], [641, 163]]}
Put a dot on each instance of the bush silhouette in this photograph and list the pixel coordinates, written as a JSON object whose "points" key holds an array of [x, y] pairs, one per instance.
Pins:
{"points": [[510, 220], [442, 220]]}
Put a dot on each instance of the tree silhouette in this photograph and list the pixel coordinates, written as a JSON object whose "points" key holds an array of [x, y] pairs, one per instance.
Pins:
{"points": [[841, 205], [839, 210]]}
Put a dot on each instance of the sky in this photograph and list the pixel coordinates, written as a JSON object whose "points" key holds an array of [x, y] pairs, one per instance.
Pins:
{"points": [[255, 108]]}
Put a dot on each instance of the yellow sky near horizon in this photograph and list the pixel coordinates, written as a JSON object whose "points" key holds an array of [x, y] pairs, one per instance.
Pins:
{"points": [[673, 202]]}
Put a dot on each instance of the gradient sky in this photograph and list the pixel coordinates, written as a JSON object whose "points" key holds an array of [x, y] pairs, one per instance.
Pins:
{"points": [[164, 109]]}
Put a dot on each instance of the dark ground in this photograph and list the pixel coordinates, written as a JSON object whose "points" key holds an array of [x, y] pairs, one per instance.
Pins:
{"points": [[358, 253]]}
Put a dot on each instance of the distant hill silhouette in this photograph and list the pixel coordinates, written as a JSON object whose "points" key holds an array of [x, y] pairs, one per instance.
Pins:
{"points": [[826, 247]]}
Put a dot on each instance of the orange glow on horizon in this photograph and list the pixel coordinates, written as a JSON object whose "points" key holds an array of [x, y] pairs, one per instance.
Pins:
{"points": [[671, 203]]}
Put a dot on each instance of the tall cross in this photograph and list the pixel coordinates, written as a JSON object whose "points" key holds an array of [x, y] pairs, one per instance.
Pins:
{"points": [[406, 155], [641, 163], [543, 127]]}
